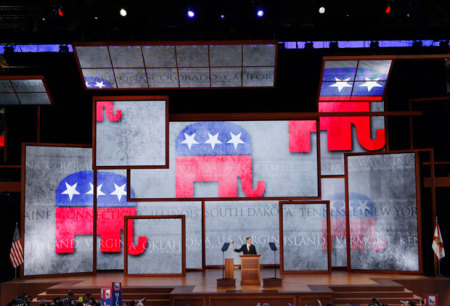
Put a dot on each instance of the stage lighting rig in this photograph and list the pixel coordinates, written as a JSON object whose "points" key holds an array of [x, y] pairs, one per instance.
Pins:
{"points": [[334, 45]]}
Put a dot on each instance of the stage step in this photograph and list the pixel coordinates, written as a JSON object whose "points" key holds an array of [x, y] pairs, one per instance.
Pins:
{"points": [[387, 294], [366, 288], [82, 290], [96, 294], [154, 296]]}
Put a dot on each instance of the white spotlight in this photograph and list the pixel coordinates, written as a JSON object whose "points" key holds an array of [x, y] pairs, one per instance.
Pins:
{"points": [[123, 12], [322, 10]]}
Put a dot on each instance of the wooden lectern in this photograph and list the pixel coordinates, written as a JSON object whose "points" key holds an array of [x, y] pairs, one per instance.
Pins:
{"points": [[250, 270]]}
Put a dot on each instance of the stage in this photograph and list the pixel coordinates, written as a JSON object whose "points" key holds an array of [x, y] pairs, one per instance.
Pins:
{"points": [[199, 288]]}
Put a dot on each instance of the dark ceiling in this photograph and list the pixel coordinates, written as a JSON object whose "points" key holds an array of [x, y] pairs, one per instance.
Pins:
{"points": [[38, 21]]}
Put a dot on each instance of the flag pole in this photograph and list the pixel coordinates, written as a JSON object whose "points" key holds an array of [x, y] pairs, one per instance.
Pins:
{"points": [[15, 268]]}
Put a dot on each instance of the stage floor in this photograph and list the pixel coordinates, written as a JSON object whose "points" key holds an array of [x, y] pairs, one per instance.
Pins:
{"points": [[205, 281], [201, 287]]}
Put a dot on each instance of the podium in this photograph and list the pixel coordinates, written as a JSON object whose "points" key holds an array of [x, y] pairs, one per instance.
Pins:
{"points": [[250, 270]]}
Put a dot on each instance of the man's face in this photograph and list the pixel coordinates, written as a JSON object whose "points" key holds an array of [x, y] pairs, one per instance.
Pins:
{"points": [[249, 240]]}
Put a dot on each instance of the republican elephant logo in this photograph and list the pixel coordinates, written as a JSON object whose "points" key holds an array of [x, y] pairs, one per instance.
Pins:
{"points": [[363, 229], [74, 212], [215, 151]]}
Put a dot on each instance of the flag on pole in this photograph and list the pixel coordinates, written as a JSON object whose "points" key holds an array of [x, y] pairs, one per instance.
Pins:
{"points": [[16, 254], [438, 244]]}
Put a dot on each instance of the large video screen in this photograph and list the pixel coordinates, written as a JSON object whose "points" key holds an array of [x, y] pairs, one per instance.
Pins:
{"points": [[228, 159], [163, 250], [131, 133], [383, 212], [333, 190], [178, 65], [235, 221], [52, 180], [193, 214], [305, 237]]}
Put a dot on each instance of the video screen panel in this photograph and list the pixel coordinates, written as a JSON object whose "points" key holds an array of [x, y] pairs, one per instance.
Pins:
{"points": [[305, 246], [229, 159], [131, 133], [333, 190], [24, 90], [351, 86], [49, 186], [163, 250], [383, 212], [193, 214], [235, 221], [341, 135], [177, 65]]}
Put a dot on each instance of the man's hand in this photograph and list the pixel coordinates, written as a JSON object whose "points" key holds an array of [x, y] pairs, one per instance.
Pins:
{"points": [[232, 242]]}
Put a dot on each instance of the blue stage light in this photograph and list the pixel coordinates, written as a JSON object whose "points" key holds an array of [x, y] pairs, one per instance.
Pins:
{"points": [[191, 13], [260, 13]]}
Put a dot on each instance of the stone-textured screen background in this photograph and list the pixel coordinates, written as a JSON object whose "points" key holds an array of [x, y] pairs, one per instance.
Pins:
{"points": [[304, 237], [383, 212], [193, 213], [234, 221], [163, 254], [45, 168], [333, 189], [137, 138]]}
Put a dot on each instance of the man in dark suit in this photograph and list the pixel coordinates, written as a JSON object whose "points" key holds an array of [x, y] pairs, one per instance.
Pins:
{"points": [[247, 249]]}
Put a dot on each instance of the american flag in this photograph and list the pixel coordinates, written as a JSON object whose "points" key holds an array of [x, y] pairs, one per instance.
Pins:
{"points": [[16, 254]]}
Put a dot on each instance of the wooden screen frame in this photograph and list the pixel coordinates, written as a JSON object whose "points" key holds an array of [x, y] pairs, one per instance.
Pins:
{"points": [[179, 43], [418, 206], [128, 99], [22, 211], [183, 243], [25, 78], [281, 231]]}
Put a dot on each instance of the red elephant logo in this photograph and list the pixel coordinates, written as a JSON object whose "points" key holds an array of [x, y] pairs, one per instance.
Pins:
{"points": [[74, 212], [215, 151]]}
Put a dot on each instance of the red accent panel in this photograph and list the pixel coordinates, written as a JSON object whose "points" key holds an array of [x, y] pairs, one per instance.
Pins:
{"points": [[109, 110], [71, 221], [221, 169], [340, 128], [300, 135], [353, 98], [2, 141]]}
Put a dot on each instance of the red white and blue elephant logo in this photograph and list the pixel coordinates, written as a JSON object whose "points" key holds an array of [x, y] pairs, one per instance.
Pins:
{"points": [[362, 222], [74, 212], [215, 151]]}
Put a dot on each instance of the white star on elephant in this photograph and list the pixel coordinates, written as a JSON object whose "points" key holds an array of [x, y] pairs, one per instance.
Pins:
{"points": [[119, 191], [71, 190], [189, 140], [212, 140], [99, 190], [363, 206], [340, 84], [99, 84], [371, 84], [235, 140]]}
